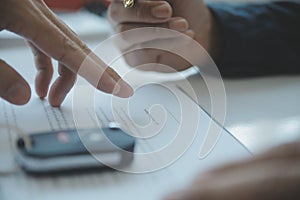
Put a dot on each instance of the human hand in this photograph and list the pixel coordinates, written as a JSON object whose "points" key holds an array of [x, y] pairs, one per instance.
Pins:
{"points": [[49, 38], [191, 18], [274, 175]]}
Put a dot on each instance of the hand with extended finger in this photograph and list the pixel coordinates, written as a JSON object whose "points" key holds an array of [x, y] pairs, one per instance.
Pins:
{"points": [[49, 38]]}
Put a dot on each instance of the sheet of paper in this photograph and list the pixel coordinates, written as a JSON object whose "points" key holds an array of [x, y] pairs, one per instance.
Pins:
{"points": [[169, 126]]}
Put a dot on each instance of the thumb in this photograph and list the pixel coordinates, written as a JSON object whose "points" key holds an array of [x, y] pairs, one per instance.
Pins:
{"points": [[13, 87]]}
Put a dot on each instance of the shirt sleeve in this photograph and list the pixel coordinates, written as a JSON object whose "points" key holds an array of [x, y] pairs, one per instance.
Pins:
{"points": [[258, 38]]}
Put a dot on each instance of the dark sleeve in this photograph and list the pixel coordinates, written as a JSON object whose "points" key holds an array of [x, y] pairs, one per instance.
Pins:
{"points": [[258, 39]]}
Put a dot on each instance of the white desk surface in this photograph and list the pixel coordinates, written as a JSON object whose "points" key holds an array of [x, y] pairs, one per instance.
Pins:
{"points": [[261, 112]]}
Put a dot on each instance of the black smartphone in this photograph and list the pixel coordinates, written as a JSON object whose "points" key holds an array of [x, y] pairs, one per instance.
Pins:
{"points": [[73, 150]]}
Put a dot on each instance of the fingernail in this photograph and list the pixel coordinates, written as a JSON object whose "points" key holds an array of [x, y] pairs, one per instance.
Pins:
{"points": [[17, 94], [122, 89], [161, 11], [117, 89], [179, 25]]}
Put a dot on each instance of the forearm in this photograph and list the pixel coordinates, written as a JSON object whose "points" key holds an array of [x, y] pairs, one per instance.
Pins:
{"points": [[257, 39]]}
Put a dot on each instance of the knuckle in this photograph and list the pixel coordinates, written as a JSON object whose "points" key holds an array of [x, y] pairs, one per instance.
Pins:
{"points": [[68, 46], [36, 53], [84, 47], [140, 13], [143, 11]]}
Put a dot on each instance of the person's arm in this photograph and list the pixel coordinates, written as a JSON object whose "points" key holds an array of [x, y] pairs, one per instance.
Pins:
{"points": [[258, 39]]}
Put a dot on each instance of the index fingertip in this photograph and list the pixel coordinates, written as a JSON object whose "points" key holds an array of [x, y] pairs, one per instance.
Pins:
{"points": [[123, 90]]}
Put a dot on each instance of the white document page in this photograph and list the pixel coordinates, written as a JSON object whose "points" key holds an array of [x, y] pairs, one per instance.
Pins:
{"points": [[157, 114]]}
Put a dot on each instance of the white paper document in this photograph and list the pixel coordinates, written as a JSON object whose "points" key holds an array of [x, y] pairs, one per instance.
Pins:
{"points": [[170, 129]]}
